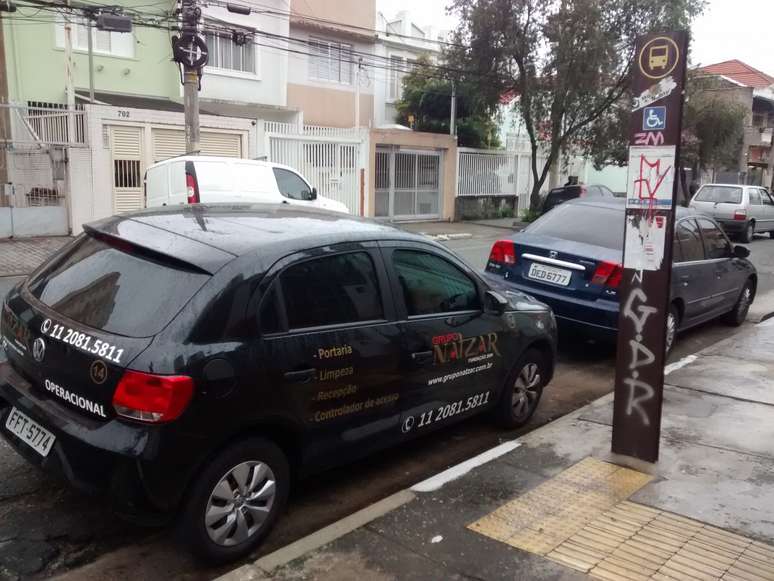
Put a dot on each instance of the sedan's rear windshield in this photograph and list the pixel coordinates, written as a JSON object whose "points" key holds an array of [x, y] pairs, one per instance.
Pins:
{"points": [[720, 195], [595, 225], [116, 290]]}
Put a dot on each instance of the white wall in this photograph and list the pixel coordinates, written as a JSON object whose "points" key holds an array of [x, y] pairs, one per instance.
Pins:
{"points": [[90, 169], [269, 85], [298, 65]]}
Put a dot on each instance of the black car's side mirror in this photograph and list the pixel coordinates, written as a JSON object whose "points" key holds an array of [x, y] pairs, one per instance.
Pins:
{"points": [[313, 194], [495, 302], [741, 252]]}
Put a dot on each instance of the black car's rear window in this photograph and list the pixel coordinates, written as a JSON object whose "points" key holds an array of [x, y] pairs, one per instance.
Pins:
{"points": [[595, 225], [116, 290], [720, 195]]}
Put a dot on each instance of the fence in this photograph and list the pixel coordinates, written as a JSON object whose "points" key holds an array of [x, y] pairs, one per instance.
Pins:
{"points": [[330, 158], [41, 125], [482, 172]]}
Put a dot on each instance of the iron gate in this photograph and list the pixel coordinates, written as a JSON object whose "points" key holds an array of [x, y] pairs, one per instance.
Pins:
{"points": [[408, 184]]}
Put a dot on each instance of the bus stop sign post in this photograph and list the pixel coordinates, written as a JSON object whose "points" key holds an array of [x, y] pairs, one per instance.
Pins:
{"points": [[654, 149]]}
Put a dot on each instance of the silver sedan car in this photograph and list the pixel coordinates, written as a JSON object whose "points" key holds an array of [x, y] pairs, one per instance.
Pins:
{"points": [[740, 210]]}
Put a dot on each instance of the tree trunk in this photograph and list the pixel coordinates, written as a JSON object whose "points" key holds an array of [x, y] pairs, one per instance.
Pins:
{"points": [[684, 193], [555, 174]]}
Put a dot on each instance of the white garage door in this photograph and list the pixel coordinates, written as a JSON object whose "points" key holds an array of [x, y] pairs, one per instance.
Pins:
{"points": [[171, 143]]}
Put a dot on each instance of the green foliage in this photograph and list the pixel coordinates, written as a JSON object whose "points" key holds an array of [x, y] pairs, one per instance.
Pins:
{"points": [[427, 98], [506, 212], [567, 60], [713, 126], [531, 214]]}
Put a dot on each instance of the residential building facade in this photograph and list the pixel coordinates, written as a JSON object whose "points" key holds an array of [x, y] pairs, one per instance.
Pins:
{"points": [[400, 43], [329, 61], [754, 90]]}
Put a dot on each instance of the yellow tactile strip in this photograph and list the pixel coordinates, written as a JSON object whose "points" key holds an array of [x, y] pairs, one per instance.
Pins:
{"points": [[546, 516], [580, 518], [638, 543]]}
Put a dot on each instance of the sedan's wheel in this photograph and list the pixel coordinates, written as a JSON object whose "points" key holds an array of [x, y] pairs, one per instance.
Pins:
{"points": [[673, 319], [738, 314], [522, 391], [748, 233], [236, 500]]}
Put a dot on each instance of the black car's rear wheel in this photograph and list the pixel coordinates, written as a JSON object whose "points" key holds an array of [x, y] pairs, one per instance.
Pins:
{"points": [[738, 314], [236, 500], [522, 390]]}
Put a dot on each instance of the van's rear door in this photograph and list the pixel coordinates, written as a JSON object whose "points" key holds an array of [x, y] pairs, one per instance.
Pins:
{"points": [[82, 318]]}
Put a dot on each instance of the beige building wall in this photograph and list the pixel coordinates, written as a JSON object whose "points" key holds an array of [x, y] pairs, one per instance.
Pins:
{"points": [[353, 12], [329, 106], [446, 144]]}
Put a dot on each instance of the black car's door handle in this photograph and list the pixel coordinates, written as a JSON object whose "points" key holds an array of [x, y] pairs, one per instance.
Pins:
{"points": [[422, 357], [303, 376]]}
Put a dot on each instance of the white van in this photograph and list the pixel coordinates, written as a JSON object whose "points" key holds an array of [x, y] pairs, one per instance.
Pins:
{"points": [[192, 179]]}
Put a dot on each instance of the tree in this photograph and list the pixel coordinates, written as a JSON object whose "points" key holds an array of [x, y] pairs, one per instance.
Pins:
{"points": [[713, 127], [427, 99], [568, 60]]}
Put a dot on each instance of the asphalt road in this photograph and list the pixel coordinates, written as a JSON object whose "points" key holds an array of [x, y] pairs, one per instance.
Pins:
{"points": [[48, 529]]}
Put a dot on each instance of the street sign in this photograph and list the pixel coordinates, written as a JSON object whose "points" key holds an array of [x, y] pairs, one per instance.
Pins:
{"points": [[654, 137]]}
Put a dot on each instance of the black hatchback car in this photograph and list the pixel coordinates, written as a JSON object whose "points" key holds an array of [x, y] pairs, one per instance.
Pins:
{"points": [[193, 359]]}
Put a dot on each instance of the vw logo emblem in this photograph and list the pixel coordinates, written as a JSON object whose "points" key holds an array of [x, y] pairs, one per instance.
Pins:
{"points": [[553, 254], [98, 372], [39, 349]]}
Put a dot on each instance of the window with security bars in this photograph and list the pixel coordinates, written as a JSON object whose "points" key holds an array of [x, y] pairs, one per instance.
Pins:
{"points": [[232, 52], [330, 61], [126, 173]]}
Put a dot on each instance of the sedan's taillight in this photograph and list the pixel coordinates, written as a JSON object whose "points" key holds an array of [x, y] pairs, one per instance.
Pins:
{"points": [[152, 398], [503, 252], [607, 274], [740, 214], [192, 189]]}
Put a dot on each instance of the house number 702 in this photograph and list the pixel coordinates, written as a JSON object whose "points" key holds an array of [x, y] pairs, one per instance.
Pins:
{"points": [[124, 114]]}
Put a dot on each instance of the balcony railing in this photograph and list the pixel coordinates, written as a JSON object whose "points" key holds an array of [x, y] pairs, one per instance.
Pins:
{"points": [[42, 125]]}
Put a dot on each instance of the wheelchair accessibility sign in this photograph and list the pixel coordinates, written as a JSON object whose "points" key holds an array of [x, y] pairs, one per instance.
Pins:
{"points": [[654, 118]]}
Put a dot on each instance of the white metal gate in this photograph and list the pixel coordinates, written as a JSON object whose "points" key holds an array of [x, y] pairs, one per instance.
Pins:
{"points": [[331, 166], [127, 167], [408, 184]]}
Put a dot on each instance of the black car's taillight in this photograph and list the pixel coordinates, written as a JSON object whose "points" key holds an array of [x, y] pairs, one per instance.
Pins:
{"points": [[152, 398]]}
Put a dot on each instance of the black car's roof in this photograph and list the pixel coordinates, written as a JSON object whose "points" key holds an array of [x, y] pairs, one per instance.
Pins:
{"points": [[620, 204], [216, 233]]}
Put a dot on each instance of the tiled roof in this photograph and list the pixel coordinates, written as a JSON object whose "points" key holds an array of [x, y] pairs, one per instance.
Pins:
{"points": [[740, 72]]}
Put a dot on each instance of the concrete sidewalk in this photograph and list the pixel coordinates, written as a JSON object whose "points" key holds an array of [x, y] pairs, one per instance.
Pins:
{"points": [[557, 505]]}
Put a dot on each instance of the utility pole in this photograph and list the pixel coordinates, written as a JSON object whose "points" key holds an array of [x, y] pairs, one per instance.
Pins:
{"points": [[453, 119], [190, 51], [357, 92], [91, 60], [69, 88]]}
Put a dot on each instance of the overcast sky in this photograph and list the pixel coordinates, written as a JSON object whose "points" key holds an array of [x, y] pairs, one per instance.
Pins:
{"points": [[740, 29]]}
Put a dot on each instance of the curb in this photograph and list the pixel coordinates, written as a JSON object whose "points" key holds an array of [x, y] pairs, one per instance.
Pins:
{"points": [[515, 227], [265, 565]]}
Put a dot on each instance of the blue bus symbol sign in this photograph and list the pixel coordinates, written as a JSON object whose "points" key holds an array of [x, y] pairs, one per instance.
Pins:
{"points": [[654, 119]]}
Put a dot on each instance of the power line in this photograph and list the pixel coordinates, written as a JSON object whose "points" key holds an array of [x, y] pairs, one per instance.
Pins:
{"points": [[271, 10]]}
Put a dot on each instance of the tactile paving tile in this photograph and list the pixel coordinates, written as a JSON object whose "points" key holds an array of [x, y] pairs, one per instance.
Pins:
{"points": [[546, 516], [582, 520]]}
